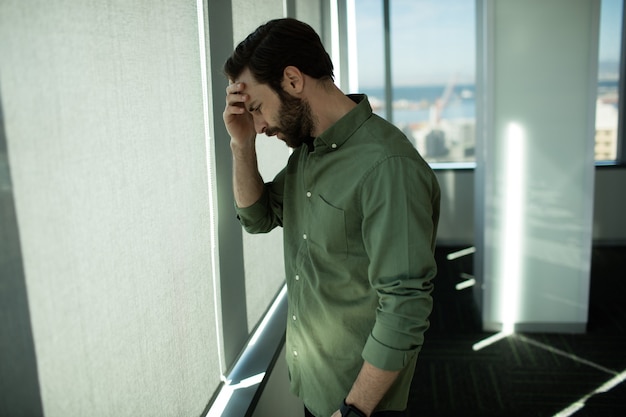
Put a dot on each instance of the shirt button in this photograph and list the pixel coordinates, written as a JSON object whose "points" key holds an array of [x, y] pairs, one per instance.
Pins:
{"points": [[295, 353], [304, 236], [293, 317], [334, 146], [297, 277], [308, 194]]}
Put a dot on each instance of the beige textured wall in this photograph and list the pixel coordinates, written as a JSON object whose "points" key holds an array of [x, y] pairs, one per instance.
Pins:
{"points": [[104, 122]]}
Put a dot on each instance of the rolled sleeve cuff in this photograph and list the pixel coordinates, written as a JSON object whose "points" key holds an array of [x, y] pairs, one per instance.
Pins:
{"points": [[385, 357], [251, 216]]}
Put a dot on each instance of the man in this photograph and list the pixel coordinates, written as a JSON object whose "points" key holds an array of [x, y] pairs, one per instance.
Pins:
{"points": [[359, 209]]}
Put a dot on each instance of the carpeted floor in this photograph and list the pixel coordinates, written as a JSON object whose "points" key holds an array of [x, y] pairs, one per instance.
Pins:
{"points": [[527, 374]]}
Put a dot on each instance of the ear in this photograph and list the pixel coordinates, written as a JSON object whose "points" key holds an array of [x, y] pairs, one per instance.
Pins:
{"points": [[293, 80]]}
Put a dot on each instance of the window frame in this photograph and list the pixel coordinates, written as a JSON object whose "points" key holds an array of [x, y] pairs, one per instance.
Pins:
{"points": [[620, 155]]}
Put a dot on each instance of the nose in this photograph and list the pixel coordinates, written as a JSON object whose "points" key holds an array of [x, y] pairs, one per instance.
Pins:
{"points": [[259, 123]]}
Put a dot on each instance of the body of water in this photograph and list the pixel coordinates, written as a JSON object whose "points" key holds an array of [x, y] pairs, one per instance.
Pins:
{"points": [[413, 104]]}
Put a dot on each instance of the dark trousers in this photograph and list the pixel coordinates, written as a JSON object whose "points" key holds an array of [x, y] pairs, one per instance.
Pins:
{"points": [[307, 413]]}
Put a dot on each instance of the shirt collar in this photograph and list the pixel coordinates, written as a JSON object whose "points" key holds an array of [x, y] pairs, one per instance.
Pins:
{"points": [[336, 135]]}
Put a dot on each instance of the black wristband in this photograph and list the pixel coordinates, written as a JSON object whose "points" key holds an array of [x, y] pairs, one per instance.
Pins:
{"points": [[350, 411]]}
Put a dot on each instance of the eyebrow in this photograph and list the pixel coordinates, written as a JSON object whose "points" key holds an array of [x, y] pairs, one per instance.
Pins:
{"points": [[252, 106]]}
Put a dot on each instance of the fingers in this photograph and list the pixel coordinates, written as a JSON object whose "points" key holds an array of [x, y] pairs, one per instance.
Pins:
{"points": [[235, 87], [236, 98], [239, 122]]}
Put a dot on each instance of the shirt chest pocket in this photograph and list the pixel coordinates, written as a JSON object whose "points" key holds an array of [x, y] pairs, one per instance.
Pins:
{"points": [[329, 234]]}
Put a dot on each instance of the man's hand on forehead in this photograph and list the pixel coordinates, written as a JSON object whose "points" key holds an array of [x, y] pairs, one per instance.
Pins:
{"points": [[236, 97]]}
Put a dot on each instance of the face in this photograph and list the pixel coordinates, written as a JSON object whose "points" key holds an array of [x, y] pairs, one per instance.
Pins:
{"points": [[278, 114]]}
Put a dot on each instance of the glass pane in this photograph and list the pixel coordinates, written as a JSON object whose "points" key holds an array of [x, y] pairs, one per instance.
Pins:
{"points": [[370, 39], [608, 80], [433, 72]]}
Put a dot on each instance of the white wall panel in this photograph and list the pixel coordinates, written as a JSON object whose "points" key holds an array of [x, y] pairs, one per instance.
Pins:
{"points": [[105, 132], [536, 197]]}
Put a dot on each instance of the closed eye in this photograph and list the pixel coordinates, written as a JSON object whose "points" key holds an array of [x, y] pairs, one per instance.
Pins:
{"points": [[256, 109]]}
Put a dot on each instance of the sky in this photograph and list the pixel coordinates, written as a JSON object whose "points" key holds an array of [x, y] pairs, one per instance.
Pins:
{"points": [[433, 41], [610, 30]]}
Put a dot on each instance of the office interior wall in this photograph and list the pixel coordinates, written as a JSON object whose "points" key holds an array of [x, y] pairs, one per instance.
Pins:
{"points": [[609, 215], [456, 225], [106, 141], [456, 221]]}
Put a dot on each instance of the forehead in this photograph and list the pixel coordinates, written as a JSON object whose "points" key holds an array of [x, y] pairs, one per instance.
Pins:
{"points": [[252, 86]]}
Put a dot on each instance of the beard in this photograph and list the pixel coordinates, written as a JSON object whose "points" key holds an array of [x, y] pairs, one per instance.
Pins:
{"points": [[296, 121]]}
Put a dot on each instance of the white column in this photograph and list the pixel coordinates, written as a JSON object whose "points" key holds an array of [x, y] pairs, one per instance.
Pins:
{"points": [[535, 163]]}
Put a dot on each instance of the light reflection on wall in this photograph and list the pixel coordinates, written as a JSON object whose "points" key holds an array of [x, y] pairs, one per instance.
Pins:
{"points": [[508, 267], [511, 233]]}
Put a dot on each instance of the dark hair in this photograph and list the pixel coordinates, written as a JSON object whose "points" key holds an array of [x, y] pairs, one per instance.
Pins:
{"points": [[276, 45]]}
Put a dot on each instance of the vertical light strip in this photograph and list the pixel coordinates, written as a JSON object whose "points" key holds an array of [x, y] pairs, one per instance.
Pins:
{"points": [[511, 238], [353, 67], [334, 38], [209, 159]]}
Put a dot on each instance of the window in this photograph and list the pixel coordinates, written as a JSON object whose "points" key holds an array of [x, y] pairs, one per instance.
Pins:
{"points": [[607, 110], [431, 96], [432, 72], [371, 53]]}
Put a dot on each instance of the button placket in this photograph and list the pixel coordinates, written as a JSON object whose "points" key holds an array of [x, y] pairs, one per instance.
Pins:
{"points": [[308, 195]]}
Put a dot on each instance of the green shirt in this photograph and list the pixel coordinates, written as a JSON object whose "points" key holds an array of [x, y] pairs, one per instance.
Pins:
{"points": [[359, 214]]}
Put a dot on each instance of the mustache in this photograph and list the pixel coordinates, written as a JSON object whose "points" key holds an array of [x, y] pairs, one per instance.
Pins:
{"points": [[272, 131]]}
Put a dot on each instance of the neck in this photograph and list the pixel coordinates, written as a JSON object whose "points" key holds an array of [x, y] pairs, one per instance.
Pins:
{"points": [[328, 105]]}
